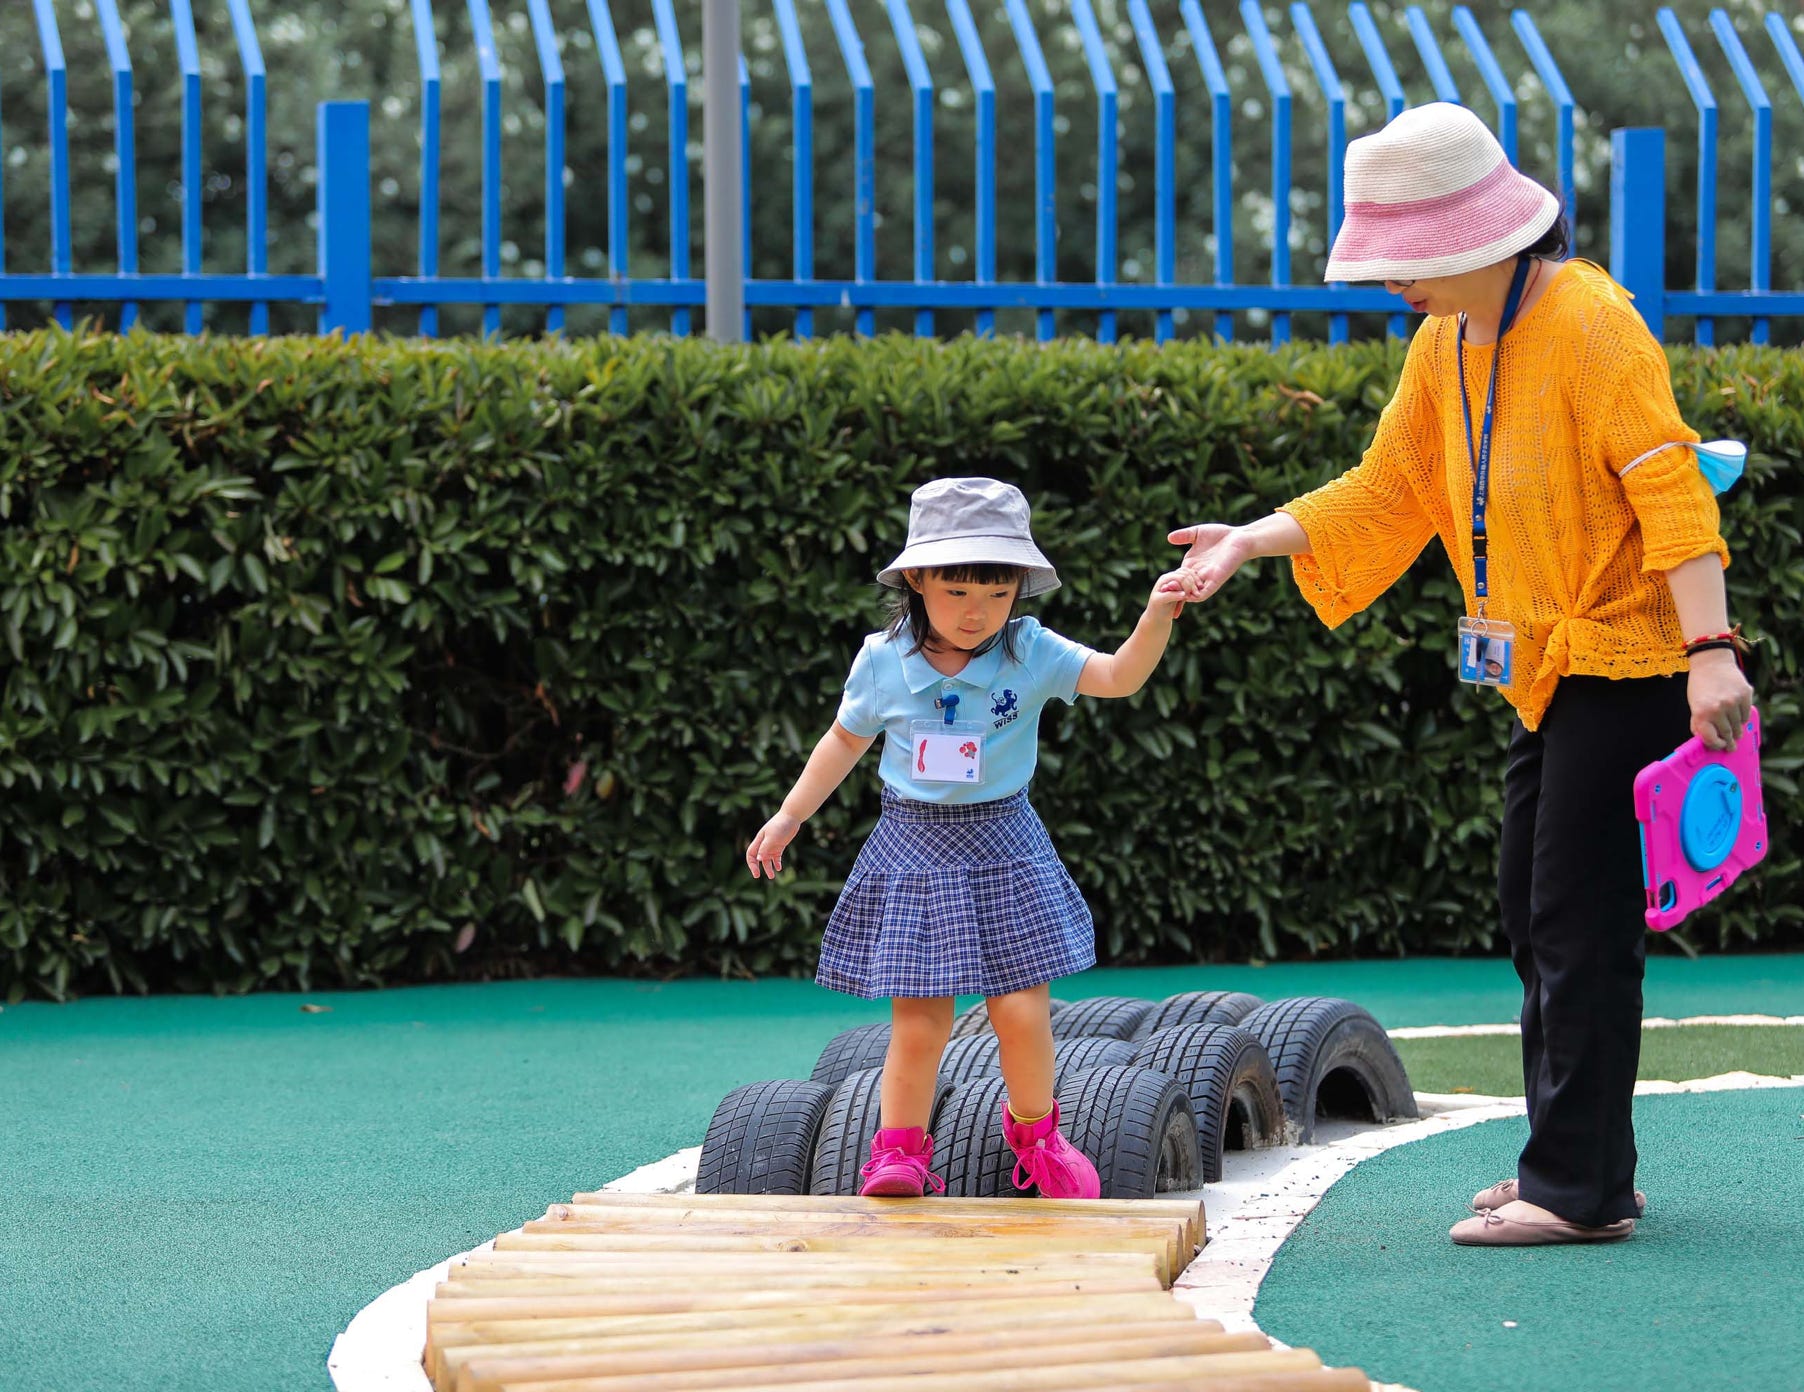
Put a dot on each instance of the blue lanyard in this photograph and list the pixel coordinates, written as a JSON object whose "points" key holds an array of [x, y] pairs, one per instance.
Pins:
{"points": [[1481, 453]]}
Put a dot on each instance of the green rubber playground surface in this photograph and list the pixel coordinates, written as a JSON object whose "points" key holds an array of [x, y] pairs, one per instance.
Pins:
{"points": [[1705, 1295], [198, 1194]]}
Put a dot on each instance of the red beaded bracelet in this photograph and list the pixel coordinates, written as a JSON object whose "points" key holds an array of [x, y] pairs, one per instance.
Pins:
{"points": [[1711, 642], [1732, 637]]}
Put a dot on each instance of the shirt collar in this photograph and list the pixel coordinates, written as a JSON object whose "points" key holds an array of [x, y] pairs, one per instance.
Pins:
{"points": [[980, 671]]}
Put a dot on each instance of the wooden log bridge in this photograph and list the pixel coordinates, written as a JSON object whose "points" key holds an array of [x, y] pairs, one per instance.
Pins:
{"points": [[790, 1293]]}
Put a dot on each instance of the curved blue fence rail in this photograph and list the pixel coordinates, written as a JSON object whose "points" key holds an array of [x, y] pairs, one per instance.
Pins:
{"points": [[347, 289]]}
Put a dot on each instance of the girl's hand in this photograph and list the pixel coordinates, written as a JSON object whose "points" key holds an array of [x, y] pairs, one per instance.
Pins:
{"points": [[1168, 596], [1720, 699], [766, 850], [1216, 552]]}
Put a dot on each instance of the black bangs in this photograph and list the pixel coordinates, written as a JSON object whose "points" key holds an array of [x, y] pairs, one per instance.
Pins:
{"points": [[986, 573], [908, 611]]}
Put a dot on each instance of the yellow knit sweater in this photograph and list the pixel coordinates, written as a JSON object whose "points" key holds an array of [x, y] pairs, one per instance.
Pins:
{"points": [[1575, 543]]}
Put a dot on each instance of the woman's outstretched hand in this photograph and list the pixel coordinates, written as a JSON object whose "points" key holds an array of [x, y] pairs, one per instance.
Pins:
{"points": [[1216, 552]]}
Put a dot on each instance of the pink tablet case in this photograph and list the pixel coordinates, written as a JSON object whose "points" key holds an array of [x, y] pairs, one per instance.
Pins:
{"points": [[1702, 824]]}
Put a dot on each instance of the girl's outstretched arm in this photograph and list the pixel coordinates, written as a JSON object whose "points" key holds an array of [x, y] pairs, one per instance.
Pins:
{"points": [[1125, 671], [833, 758]]}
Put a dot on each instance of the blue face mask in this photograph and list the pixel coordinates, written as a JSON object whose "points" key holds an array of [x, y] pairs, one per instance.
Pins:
{"points": [[1721, 462]]}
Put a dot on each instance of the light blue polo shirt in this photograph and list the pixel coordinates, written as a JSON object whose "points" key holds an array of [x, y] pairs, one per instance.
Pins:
{"points": [[889, 689]]}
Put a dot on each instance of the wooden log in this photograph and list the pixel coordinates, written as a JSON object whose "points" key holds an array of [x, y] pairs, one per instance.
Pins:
{"points": [[1028, 1375], [971, 1314], [592, 1282], [511, 1248], [711, 1240], [963, 1309], [946, 1256], [867, 1324], [477, 1367], [1039, 1214], [666, 1301], [816, 1285], [575, 1276], [1186, 1210], [684, 1370], [977, 1251], [902, 1214], [901, 1221], [687, 1246], [569, 1236]]}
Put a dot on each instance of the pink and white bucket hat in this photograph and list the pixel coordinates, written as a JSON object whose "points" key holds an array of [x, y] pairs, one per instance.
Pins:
{"points": [[1432, 194]]}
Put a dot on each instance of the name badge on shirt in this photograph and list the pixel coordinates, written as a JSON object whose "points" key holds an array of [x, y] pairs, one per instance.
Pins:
{"points": [[942, 753], [1487, 651]]}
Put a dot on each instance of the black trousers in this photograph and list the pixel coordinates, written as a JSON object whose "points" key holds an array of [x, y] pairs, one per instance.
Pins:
{"points": [[1569, 886]]}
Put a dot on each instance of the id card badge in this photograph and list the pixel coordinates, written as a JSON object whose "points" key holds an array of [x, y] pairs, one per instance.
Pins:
{"points": [[942, 753], [1487, 651]]}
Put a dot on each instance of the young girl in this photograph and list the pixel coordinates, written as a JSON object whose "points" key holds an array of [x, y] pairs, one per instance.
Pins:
{"points": [[959, 889]]}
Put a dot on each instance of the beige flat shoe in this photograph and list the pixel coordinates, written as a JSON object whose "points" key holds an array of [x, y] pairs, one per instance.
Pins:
{"points": [[1505, 1192], [1489, 1229]]}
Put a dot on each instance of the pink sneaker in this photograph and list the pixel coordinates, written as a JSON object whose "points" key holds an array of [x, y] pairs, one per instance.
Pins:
{"points": [[898, 1167], [1058, 1168]]}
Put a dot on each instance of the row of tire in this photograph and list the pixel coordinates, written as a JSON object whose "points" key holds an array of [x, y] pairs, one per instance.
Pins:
{"points": [[1154, 1092]]}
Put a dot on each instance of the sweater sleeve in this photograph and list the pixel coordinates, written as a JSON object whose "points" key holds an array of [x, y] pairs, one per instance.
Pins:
{"points": [[1366, 527], [1671, 499]]}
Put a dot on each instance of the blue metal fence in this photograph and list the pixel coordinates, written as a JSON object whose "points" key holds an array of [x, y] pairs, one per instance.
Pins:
{"points": [[347, 290]]}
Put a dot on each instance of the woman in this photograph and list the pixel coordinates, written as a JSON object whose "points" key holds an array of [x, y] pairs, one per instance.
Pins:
{"points": [[1592, 568]]}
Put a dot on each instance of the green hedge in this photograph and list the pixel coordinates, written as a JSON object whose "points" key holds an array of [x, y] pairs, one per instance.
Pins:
{"points": [[385, 662]]}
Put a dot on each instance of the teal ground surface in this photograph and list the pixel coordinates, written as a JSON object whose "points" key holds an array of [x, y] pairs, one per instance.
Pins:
{"points": [[1705, 1295], [198, 1194]]}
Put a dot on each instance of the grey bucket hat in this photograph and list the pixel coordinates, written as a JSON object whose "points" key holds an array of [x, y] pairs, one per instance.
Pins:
{"points": [[971, 521]]}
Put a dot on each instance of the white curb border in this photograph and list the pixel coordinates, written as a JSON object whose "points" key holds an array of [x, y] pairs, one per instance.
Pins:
{"points": [[1249, 1213]]}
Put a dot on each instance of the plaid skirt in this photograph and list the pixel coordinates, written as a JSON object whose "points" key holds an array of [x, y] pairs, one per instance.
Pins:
{"points": [[948, 900]]}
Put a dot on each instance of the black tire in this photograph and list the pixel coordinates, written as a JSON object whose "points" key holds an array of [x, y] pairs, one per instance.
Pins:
{"points": [[1231, 1084], [853, 1114], [1138, 1128], [974, 1056], [1198, 1008], [1111, 1017], [969, 1152], [1332, 1059], [761, 1140], [849, 1051], [979, 1056], [976, 1020], [1092, 1051]]}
